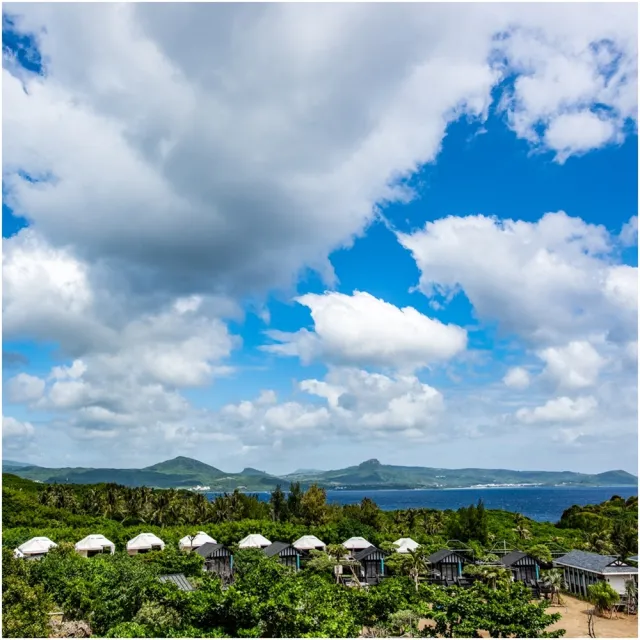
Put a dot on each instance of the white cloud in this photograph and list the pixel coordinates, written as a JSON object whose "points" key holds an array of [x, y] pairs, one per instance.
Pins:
{"points": [[12, 428], [629, 232], [362, 330], [559, 410], [549, 281], [573, 133], [24, 388], [573, 366], [517, 378]]}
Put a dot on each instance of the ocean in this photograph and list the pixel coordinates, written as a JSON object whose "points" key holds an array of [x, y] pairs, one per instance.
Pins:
{"points": [[538, 503]]}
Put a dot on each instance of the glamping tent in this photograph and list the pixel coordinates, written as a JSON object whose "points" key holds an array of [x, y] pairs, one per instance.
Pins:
{"points": [[286, 553], [189, 543], [93, 545], [217, 559], [356, 544], [143, 543], [405, 545], [254, 541], [309, 543], [34, 548]]}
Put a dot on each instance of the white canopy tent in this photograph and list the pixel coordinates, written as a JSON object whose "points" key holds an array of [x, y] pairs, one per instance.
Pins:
{"points": [[405, 545], [356, 543], [35, 547], [144, 542], [254, 541], [94, 544], [307, 543], [189, 544]]}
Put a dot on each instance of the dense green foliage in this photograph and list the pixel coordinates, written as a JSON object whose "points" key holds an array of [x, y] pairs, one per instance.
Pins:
{"points": [[120, 596]]}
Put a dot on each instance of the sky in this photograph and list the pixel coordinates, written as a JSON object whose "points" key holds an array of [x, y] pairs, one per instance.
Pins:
{"points": [[302, 236]]}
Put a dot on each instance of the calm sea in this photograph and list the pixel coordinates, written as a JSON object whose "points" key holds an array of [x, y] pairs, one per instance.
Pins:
{"points": [[537, 503]]}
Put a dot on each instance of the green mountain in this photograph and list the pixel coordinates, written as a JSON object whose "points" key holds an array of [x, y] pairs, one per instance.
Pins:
{"points": [[7, 465], [182, 472]]}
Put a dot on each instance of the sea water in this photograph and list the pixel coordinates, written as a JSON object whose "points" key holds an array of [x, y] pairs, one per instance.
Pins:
{"points": [[538, 503]]}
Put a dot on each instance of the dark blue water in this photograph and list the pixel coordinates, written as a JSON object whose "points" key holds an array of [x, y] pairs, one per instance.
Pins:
{"points": [[537, 503]]}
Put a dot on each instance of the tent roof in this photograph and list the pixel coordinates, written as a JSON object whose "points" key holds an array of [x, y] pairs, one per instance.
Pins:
{"points": [[94, 542], [406, 544], [199, 539], [144, 541], [254, 540], [308, 542], [40, 544], [356, 542]]}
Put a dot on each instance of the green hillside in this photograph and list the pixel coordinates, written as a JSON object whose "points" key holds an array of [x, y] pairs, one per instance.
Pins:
{"points": [[182, 472]]}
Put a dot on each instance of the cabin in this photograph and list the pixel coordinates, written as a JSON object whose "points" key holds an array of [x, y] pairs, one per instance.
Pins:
{"points": [[523, 567], [309, 543], [143, 543], [286, 553], [217, 559], [190, 543], [355, 544], [447, 564], [35, 548], [254, 541], [405, 545], [583, 568], [371, 564], [179, 580], [94, 545]]}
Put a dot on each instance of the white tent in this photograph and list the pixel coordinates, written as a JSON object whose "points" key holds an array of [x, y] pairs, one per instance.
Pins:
{"points": [[254, 541], [144, 542], [356, 544], [405, 545], [94, 544], [34, 547], [198, 540], [306, 543]]}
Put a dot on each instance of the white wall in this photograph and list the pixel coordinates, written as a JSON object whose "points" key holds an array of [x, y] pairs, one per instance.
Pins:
{"points": [[617, 581]]}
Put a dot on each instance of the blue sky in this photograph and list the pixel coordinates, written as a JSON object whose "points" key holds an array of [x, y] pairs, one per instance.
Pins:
{"points": [[279, 260]]}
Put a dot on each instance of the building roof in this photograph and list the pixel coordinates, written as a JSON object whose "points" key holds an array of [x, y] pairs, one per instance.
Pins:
{"points": [[406, 544], [306, 543], [36, 546], [439, 556], [633, 558], [211, 550], [275, 548], [255, 541], [145, 541], [369, 551], [198, 540], [594, 562], [179, 580], [356, 542], [94, 542], [512, 557]]}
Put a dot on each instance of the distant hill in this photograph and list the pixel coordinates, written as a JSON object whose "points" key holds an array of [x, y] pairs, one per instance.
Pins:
{"points": [[7, 465], [182, 472]]}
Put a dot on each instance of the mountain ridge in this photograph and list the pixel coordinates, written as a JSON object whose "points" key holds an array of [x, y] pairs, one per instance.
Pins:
{"points": [[183, 472]]}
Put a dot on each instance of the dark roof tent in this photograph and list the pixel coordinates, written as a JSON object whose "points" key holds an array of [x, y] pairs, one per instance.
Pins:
{"points": [[446, 555], [179, 580], [370, 553], [515, 557], [280, 549], [595, 562], [211, 550]]}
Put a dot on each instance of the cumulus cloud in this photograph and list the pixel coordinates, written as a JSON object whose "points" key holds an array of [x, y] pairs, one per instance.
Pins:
{"points": [[547, 281], [24, 388], [362, 330], [517, 378], [559, 410], [17, 435], [574, 366], [629, 233]]}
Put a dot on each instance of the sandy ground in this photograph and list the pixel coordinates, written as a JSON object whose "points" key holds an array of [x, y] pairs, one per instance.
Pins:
{"points": [[574, 621]]}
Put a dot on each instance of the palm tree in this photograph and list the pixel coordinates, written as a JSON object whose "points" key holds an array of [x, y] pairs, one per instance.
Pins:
{"points": [[631, 591], [522, 532], [417, 564], [554, 580]]}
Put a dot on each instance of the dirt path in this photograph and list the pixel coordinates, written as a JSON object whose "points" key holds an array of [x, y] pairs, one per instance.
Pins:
{"points": [[574, 621]]}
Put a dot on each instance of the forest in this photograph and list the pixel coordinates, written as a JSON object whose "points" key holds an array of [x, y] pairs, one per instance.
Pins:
{"points": [[121, 596]]}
